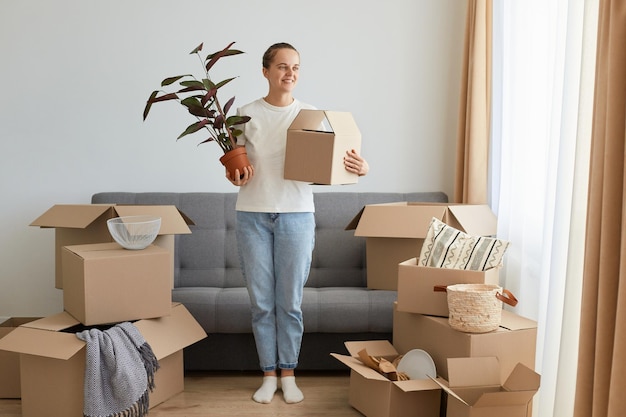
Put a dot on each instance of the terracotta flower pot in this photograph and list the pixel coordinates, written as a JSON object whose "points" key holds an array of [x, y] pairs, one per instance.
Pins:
{"points": [[235, 159]]}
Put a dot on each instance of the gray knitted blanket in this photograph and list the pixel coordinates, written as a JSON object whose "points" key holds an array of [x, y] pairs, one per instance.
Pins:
{"points": [[119, 372]]}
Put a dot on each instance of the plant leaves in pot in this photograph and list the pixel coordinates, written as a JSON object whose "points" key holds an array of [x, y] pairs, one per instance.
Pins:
{"points": [[199, 97]]}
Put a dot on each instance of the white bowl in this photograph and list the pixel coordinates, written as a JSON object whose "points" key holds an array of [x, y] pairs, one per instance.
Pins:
{"points": [[417, 364], [134, 232]]}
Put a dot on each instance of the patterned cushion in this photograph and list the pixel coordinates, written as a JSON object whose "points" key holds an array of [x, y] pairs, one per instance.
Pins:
{"points": [[447, 247]]}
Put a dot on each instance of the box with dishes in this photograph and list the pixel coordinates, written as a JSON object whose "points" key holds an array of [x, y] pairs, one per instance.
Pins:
{"points": [[386, 384]]}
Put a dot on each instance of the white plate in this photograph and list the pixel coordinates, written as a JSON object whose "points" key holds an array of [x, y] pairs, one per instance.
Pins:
{"points": [[417, 364]]}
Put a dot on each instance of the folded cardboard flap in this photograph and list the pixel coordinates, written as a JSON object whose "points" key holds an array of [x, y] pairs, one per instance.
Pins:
{"points": [[412, 219], [308, 120], [182, 331], [473, 372], [313, 120], [42, 342], [12, 322], [473, 382], [75, 216], [357, 366], [503, 398], [46, 338], [380, 348], [512, 321], [522, 378], [474, 219], [396, 220], [417, 385], [81, 216]]}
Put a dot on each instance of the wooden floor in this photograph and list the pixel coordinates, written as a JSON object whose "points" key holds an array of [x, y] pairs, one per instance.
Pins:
{"points": [[230, 394]]}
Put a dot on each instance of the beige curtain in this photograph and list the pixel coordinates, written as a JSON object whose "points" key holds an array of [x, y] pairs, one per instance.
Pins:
{"points": [[475, 106], [601, 380]]}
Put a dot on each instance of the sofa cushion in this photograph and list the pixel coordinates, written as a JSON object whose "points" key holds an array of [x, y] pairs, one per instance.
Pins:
{"points": [[325, 310]]}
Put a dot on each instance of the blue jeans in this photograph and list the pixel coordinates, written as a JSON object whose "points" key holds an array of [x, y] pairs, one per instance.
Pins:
{"points": [[275, 250]]}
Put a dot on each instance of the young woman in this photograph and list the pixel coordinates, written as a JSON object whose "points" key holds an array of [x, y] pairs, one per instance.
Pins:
{"points": [[276, 225]]}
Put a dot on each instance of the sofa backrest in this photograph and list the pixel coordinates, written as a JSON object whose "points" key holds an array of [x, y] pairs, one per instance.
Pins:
{"points": [[208, 256]]}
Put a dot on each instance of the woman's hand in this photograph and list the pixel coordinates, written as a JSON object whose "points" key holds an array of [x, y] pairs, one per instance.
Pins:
{"points": [[355, 163], [241, 178]]}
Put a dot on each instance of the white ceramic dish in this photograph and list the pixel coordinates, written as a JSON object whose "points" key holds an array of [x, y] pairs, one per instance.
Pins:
{"points": [[417, 364]]}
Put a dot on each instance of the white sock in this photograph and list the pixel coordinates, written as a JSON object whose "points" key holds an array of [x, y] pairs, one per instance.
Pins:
{"points": [[265, 394], [291, 392]]}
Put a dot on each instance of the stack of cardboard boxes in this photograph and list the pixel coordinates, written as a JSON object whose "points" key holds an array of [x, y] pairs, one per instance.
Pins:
{"points": [[487, 374], [103, 284]]}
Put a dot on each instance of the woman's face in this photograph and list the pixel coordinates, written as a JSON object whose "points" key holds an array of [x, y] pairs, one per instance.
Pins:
{"points": [[282, 74]]}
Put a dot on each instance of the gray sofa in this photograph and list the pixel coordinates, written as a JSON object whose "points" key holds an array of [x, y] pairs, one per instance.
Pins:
{"points": [[337, 305]]}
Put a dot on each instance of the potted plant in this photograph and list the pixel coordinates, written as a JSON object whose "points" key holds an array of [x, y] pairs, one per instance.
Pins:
{"points": [[199, 98]]}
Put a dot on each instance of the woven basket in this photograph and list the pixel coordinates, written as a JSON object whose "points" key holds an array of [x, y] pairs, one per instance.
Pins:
{"points": [[477, 308]]}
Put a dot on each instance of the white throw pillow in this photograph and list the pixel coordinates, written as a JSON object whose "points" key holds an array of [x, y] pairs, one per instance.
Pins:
{"points": [[447, 247]]}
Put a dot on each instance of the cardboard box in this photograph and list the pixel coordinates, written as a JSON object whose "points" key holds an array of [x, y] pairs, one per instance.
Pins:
{"points": [[513, 342], [395, 232], [416, 286], [78, 224], [105, 283], [10, 361], [53, 360], [374, 395], [315, 155], [475, 389]]}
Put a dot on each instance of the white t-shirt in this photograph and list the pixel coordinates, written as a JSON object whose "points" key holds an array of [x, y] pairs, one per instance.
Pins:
{"points": [[265, 139]]}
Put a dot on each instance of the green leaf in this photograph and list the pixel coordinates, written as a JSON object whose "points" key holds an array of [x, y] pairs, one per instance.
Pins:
{"points": [[171, 80], [219, 121], [193, 85], [228, 105], [192, 128], [209, 97], [197, 49], [194, 106], [165, 97], [237, 120], [222, 83], [230, 52], [213, 58], [146, 110], [208, 84]]}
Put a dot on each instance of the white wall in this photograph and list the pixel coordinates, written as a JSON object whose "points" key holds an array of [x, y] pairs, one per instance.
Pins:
{"points": [[75, 75]]}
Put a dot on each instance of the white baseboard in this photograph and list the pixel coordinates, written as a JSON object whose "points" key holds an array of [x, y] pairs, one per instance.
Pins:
{"points": [[3, 319]]}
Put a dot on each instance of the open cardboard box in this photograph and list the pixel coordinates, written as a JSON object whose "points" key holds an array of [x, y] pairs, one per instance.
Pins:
{"points": [[514, 341], [52, 360], [395, 232], [372, 394], [105, 283], [416, 286], [78, 224], [475, 388], [316, 155], [10, 361]]}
